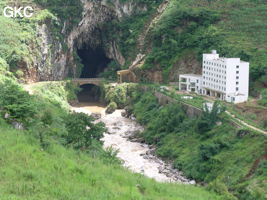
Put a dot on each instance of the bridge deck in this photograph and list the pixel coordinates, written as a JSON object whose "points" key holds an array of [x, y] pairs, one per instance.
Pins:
{"points": [[95, 81], [88, 79]]}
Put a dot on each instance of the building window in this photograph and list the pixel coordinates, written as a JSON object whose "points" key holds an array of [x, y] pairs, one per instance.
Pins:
{"points": [[237, 67], [237, 83], [237, 72], [237, 89], [237, 77]]}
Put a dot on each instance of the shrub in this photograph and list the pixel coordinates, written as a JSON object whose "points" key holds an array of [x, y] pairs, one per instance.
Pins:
{"points": [[265, 123], [220, 188], [3, 65], [19, 74], [120, 94], [263, 100], [211, 149], [16, 104], [209, 117], [82, 130]]}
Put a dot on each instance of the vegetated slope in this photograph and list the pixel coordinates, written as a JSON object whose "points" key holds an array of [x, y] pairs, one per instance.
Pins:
{"points": [[210, 149], [188, 28], [57, 156], [34, 48], [29, 172]]}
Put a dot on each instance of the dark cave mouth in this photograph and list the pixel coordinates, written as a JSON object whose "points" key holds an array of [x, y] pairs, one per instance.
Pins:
{"points": [[94, 61], [89, 93]]}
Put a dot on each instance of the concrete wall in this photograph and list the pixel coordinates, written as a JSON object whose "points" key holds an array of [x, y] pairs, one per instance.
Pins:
{"points": [[191, 111]]}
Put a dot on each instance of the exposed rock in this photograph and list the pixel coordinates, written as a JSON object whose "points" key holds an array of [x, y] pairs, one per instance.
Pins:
{"points": [[7, 115], [51, 61], [96, 115], [242, 133], [187, 64], [127, 8], [18, 125], [138, 157], [89, 31]]}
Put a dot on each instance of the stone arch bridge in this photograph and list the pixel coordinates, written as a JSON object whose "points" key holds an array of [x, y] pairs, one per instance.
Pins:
{"points": [[93, 81]]}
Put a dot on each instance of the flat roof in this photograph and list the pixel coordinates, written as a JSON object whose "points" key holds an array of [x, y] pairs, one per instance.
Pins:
{"points": [[225, 58], [192, 75]]}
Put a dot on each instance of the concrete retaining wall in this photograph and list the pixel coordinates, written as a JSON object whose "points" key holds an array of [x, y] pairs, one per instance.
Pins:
{"points": [[191, 111]]}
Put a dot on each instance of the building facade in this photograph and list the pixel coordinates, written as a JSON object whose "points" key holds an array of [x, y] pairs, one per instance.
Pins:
{"points": [[191, 83], [223, 78]]}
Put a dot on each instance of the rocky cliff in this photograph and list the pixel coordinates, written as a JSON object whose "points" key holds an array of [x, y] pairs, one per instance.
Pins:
{"points": [[56, 59]]}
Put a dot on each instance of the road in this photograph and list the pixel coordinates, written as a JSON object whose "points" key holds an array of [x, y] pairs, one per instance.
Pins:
{"points": [[246, 124]]}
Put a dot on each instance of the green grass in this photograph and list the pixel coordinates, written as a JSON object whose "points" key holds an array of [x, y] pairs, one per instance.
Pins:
{"points": [[56, 92], [28, 172], [37, 163]]}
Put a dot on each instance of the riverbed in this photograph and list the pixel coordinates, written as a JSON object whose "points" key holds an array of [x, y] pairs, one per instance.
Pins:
{"points": [[136, 156]]}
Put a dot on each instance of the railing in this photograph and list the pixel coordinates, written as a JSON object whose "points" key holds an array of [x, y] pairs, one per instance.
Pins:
{"points": [[88, 79]]}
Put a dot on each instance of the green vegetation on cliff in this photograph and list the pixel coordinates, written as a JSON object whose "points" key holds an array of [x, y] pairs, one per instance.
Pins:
{"points": [[187, 28]]}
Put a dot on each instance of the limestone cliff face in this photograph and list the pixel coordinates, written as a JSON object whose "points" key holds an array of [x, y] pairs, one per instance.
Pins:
{"points": [[89, 31], [53, 62], [48, 57], [187, 64], [51, 58]]}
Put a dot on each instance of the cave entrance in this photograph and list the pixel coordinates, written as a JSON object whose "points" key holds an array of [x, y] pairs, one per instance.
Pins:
{"points": [[95, 61]]}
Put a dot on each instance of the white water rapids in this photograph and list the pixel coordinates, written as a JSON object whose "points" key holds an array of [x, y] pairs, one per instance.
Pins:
{"points": [[136, 156]]}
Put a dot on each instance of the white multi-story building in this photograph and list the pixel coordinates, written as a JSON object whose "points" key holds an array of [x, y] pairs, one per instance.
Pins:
{"points": [[224, 78]]}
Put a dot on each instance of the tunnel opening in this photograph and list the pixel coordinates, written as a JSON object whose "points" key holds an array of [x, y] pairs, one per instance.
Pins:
{"points": [[94, 61], [89, 93], [89, 98]]}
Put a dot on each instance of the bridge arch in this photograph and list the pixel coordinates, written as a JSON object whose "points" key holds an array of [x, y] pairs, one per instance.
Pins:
{"points": [[89, 93]]}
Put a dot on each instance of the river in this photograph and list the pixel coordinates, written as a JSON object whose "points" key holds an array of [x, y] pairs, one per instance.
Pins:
{"points": [[137, 157]]}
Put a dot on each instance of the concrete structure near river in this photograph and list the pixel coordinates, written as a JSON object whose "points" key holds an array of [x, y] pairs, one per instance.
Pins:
{"points": [[224, 78]]}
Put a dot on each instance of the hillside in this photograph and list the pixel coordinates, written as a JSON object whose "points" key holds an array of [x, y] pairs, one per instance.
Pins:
{"points": [[29, 172], [208, 148], [186, 29], [48, 152], [171, 34], [55, 154]]}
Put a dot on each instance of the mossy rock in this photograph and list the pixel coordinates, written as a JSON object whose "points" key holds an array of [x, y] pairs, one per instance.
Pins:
{"points": [[111, 108]]}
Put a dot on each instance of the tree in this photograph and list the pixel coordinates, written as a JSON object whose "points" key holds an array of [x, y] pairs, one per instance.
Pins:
{"points": [[209, 117], [15, 103], [82, 130]]}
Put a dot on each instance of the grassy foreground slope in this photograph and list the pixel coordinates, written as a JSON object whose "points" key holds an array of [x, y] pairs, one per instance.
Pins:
{"points": [[28, 172]]}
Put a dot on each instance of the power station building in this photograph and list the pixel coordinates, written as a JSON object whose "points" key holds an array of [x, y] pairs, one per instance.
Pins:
{"points": [[224, 78]]}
